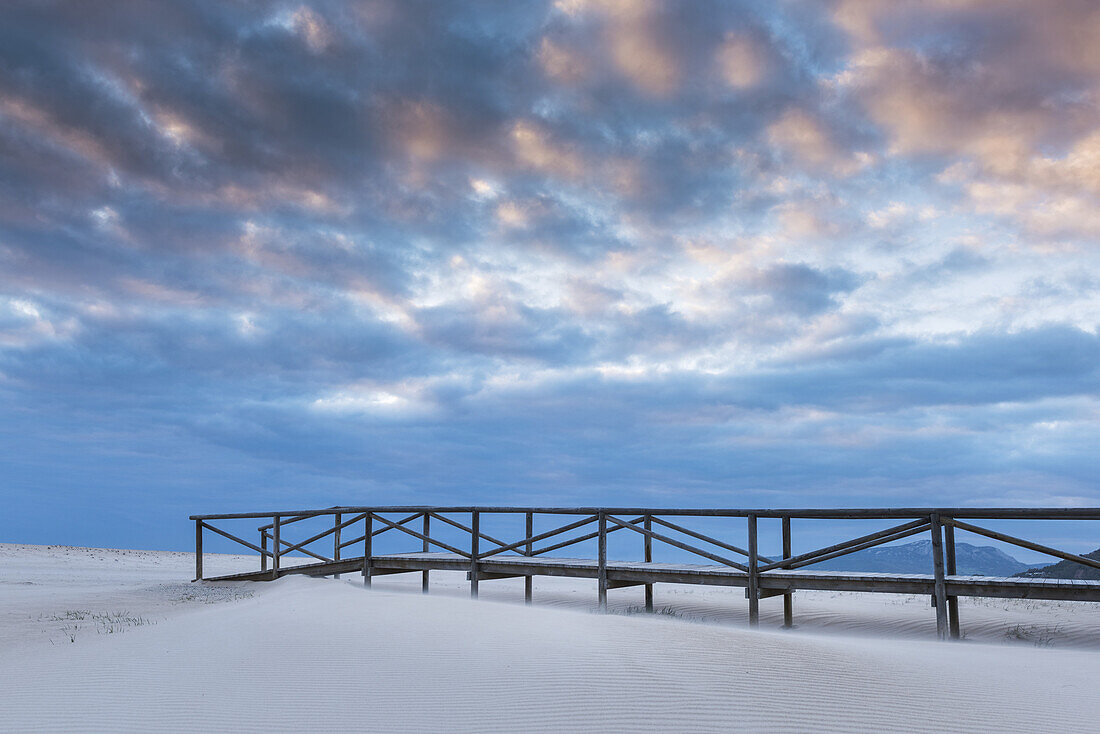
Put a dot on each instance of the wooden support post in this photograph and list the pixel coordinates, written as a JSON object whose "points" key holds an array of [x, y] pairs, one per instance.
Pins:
{"points": [[336, 541], [601, 563], [425, 549], [952, 601], [263, 550], [368, 549], [276, 547], [648, 523], [753, 588], [198, 550], [940, 590], [528, 581], [475, 536], [788, 598]]}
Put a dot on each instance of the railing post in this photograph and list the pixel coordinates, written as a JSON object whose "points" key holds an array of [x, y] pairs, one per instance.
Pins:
{"points": [[263, 550], [475, 535], [368, 542], [753, 588], [952, 601], [425, 548], [198, 550], [788, 598], [336, 540], [277, 547], [648, 523], [939, 598], [528, 581], [601, 571]]}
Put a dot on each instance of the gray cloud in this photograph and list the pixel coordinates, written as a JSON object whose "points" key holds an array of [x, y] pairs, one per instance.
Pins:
{"points": [[713, 253]]}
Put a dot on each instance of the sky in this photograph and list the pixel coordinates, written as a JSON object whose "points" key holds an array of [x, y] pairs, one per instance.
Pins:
{"points": [[260, 256]]}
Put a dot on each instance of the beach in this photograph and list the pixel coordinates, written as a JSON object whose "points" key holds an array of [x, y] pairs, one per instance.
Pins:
{"points": [[117, 640]]}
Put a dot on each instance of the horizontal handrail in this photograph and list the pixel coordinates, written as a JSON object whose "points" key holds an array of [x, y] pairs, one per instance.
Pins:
{"points": [[900, 513], [287, 520]]}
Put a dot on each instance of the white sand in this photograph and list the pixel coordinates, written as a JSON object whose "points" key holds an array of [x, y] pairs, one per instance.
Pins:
{"points": [[94, 640]]}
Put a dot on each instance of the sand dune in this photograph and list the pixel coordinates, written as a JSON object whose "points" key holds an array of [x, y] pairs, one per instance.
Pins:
{"points": [[317, 654]]}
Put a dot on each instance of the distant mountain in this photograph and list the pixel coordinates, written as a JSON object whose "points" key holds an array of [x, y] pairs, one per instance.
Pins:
{"points": [[1066, 570], [970, 560]]}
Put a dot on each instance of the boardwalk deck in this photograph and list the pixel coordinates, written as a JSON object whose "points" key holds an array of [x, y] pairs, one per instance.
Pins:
{"points": [[621, 574], [489, 558]]}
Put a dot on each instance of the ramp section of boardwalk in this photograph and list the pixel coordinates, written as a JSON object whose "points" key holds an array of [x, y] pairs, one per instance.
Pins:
{"points": [[442, 530]]}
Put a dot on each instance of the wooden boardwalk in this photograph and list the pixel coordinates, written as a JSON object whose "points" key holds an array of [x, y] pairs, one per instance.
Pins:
{"points": [[761, 577]]}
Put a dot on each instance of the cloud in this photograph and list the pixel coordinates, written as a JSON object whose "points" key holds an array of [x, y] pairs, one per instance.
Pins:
{"points": [[1007, 87], [740, 61], [802, 289], [806, 140], [707, 252]]}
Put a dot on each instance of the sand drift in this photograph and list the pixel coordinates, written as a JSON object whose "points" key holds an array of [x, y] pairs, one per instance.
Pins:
{"points": [[318, 654]]}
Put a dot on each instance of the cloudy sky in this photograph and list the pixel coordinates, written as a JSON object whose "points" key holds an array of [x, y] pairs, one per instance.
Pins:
{"points": [[269, 256]]}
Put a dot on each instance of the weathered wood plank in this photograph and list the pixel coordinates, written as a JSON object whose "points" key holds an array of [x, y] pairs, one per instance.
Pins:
{"points": [[336, 539], [952, 600], [483, 575], [753, 589], [198, 550], [788, 598], [368, 538], [648, 559], [475, 536], [940, 594], [276, 546], [425, 549], [861, 513], [601, 561], [529, 581]]}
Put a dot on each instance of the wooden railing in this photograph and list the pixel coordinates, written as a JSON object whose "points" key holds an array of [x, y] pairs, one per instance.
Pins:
{"points": [[746, 563]]}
